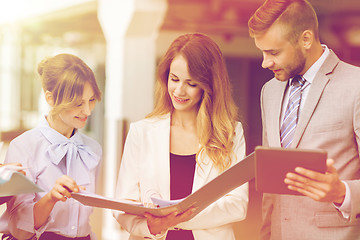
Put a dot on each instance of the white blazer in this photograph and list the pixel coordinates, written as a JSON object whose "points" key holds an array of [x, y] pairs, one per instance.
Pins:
{"points": [[145, 170]]}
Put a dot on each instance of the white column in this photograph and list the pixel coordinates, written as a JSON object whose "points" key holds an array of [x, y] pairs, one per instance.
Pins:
{"points": [[130, 28], [10, 110]]}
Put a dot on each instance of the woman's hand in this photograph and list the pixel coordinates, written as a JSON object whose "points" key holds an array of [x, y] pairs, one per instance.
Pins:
{"points": [[61, 191], [157, 225], [63, 188]]}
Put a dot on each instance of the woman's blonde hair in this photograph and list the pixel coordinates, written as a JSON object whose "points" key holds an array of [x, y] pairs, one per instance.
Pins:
{"points": [[65, 75], [217, 112]]}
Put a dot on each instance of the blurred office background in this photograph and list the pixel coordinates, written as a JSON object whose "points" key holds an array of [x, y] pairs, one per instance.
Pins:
{"points": [[122, 40]]}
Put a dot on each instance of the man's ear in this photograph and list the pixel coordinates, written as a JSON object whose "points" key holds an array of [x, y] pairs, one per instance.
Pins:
{"points": [[49, 98], [307, 39]]}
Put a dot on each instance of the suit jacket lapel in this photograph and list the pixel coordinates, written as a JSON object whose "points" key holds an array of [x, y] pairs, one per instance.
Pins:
{"points": [[316, 89], [275, 102]]}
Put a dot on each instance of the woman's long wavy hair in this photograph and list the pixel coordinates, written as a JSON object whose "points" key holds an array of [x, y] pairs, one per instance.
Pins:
{"points": [[217, 112]]}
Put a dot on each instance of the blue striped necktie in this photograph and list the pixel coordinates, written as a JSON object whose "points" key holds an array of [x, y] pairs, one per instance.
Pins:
{"points": [[288, 126]]}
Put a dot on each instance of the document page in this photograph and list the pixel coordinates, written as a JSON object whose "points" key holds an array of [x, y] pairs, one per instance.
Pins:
{"points": [[14, 183]]}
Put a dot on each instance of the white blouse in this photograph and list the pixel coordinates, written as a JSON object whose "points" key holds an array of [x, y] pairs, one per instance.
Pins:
{"points": [[49, 155]]}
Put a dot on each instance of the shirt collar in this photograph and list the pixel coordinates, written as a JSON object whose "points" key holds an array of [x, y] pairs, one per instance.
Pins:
{"points": [[54, 136], [313, 70]]}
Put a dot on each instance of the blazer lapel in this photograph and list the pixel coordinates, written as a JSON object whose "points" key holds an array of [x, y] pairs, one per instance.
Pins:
{"points": [[203, 173], [316, 90], [275, 104], [161, 136]]}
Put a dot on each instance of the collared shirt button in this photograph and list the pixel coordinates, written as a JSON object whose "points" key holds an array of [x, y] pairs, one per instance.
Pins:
{"points": [[73, 227]]}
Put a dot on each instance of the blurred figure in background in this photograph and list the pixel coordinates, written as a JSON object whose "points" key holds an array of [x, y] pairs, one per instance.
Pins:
{"points": [[61, 160], [190, 138]]}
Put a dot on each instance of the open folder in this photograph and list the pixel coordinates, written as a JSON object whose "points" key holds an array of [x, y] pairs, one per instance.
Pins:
{"points": [[14, 183], [268, 165], [230, 179]]}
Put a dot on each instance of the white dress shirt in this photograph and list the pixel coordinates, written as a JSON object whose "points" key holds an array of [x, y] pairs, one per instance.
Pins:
{"points": [[309, 76]]}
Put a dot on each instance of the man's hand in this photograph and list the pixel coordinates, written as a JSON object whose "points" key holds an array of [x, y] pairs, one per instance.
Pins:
{"points": [[320, 187]]}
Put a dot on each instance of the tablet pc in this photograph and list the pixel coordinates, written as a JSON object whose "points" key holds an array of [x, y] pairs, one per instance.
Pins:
{"points": [[272, 165]]}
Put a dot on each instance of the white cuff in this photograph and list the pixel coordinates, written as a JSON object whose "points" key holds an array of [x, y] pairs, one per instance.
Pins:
{"points": [[345, 207]]}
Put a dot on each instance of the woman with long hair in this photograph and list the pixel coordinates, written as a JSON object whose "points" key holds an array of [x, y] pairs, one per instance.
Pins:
{"points": [[190, 138]]}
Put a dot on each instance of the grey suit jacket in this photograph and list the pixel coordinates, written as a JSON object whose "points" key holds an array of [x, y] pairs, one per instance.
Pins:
{"points": [[329, 120]]}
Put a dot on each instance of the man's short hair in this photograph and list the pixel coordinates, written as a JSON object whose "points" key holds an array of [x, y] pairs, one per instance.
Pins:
{"points": [[295, 15]]}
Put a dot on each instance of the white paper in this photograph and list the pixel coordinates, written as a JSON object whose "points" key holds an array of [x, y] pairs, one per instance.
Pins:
{"points": [[14, 183], [94, 195], [164, 203], [6, 172]]}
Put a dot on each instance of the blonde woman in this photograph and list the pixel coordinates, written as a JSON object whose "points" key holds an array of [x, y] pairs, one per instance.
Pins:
{"points": [[190, 138], [61, 160]]}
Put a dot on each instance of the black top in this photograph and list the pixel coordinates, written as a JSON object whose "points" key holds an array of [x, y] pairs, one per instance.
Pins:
{"points": [[182, 170]]}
